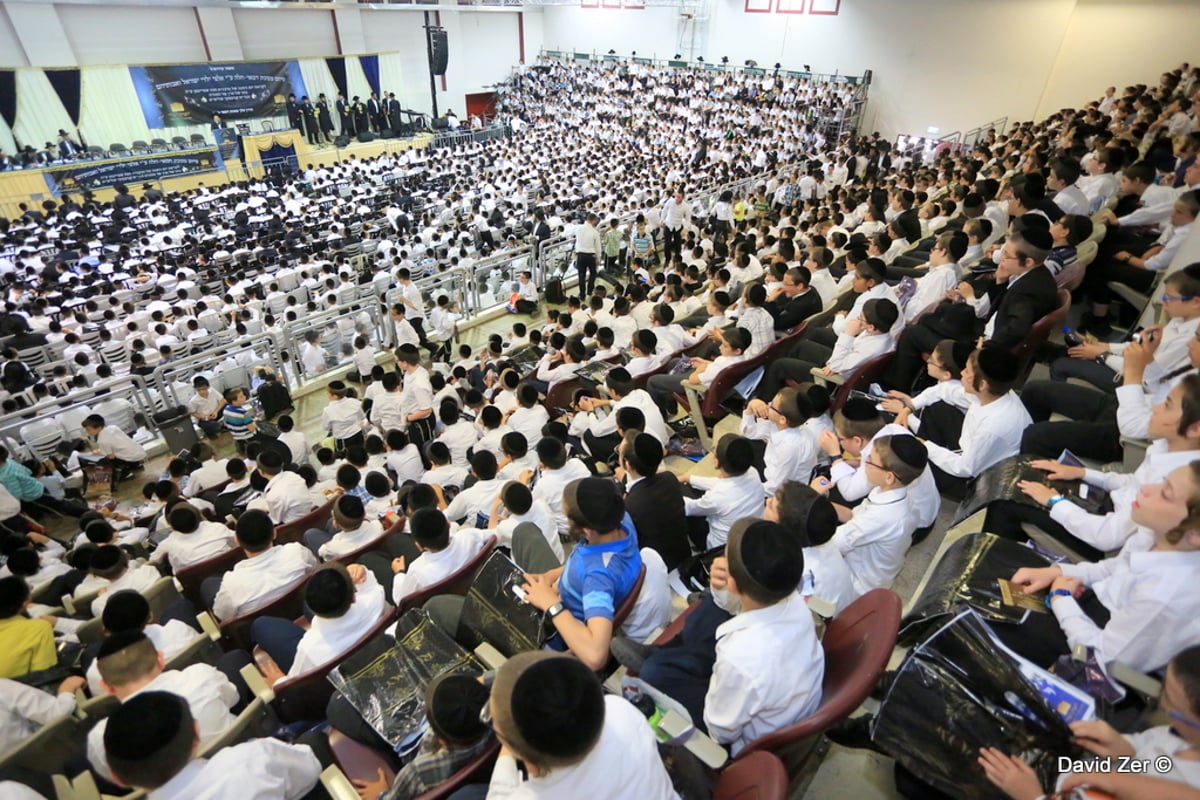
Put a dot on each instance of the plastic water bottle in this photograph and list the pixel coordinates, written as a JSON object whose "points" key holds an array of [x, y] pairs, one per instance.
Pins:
{"points": [[1071, 338]]}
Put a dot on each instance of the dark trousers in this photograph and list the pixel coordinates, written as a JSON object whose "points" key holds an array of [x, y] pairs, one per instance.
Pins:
{"points": [[907, 364], [279, 637], [812, 351], [1095, 284], [1093, 372], [1091, 433], [601, 447], [1040, 638], [683, 669], [1004, 518], [941, 423], [672, 243], [420, 431], [585, 266], [526, 307]]}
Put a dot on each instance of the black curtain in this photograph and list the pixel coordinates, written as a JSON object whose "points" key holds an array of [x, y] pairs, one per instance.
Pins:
{"points": [[337, 68], [66, 86], [8, 96]]}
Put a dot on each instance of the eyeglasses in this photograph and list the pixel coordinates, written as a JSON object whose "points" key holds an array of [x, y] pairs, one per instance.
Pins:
{"points": [[1168, 298], [1009, 257], [485, 714], [1176, 716], [871, 463], [773, 408]]}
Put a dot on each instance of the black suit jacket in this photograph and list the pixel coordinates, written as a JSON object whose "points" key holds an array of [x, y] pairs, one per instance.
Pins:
{"points": [[1032, 297], [798, 309], [656, 506]]}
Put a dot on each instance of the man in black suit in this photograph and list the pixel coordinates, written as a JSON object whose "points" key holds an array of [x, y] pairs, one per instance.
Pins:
{"points": [[67, 148], [1023, 293], [375, 112], [293, 112], [797, 301], [345, 115], [906, 214], [392, 111], [654, 499]]}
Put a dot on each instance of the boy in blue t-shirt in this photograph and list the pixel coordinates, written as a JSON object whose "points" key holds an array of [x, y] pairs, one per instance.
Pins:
{"points": [[582, 596], [239, 419]]}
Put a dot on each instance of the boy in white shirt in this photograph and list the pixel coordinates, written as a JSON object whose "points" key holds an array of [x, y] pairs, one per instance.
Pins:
{"points": [[343, 417], [664, 387], [266, 574], [110, 571], [193, 539], [790, 449], [443, 473], [735, 493], [945, 366], [514, 505], [457, 434], [295, 441], [402, 459], [941, 274], [529, 416], [345, 602], [875, 535], [352, 530], [493, 430], [151, 742], [864, 338], [442, 553]]}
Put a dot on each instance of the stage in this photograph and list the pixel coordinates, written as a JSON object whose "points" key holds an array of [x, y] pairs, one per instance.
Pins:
{"points": [[181, 170]]}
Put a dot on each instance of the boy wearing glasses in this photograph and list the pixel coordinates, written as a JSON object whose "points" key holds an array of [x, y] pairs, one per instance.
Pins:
{"points": [[1101, 363]]}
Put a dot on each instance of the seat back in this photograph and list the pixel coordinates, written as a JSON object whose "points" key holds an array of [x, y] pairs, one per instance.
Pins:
{"points": [[305, 696], [857, 645], [759, 776], [1027, 348], [202, 649], [559, 395], [292, 531], [458, 583], [235, 633], [191, 577], [48, 750], [860, 379], [374, 544], [256, 721]]}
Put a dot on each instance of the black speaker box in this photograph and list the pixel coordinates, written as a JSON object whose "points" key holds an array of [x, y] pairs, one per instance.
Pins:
{"points": [[439, 51], [366, 136], [342, 141], [387, 133]]}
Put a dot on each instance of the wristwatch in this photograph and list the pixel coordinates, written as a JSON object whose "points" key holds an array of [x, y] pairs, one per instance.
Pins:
{"points": [[554, 610]]}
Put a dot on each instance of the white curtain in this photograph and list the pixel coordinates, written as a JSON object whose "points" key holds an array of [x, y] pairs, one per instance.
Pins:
{"points": [[356, 81], [391, 77], [111, 112], [7, 143], [317, 80], [40, 114]]}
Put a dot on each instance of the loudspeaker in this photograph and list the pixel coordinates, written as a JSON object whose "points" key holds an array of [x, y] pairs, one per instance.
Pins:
{"points": [[867, 78], [342, 141], [439, 53], [366, 136], [387, 133]]}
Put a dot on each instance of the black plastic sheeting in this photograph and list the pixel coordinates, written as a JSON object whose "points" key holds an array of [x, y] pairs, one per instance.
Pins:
{"points": [[386, 679], [493, 612], [956, 692], [966, 574]]}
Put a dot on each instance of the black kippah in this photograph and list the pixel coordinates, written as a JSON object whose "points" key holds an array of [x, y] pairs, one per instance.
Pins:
{"points": [[859, 409], [558, 707], [772, 557], [143, 725], [910, 450], [998, 364]]}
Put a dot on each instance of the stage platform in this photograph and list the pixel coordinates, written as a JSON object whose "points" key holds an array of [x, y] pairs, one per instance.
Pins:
{"points": [[193, 167]]}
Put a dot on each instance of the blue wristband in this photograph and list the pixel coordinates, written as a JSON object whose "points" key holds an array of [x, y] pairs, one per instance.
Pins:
{"points": [[1053, 501], [1057, 593]]}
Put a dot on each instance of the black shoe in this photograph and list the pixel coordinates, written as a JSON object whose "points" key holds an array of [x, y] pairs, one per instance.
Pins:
{"points": [[854, 733], [629, 653]]}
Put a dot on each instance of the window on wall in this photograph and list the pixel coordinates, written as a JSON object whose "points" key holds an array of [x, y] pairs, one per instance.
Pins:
{"points": [[630, 4], [818, 7]]}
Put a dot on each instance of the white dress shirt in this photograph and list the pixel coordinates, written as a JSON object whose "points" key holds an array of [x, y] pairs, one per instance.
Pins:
{"points": [[185, 549], [931, 288], [209, 694], [852, 481], [540, 515], [724, 502], [24, 709], [851, 352], [876, 538], [431, 567], [346, 542], [169, 639], [549, 489], [287, 498], [587, 239], [990, 433], [1072, 200], [827, 577], [459, 437], [476, 499], [329, 637], [791, 452], [406, 463], [1134, 404], [343, 418], [1151, 594], [623, 763], [656, 426], [529, 421], [416, 395], [767, 674], [1109, 531], [115, 443], [257, 581], [138, 577], [387, 411], [826, 286], [261, 769], [210, 473], [1171, 354]]}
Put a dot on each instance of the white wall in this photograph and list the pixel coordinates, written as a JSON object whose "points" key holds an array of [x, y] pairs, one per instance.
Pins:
{"points": [[535, 33], [98, 36], [651, 32], [1114, 43], [266, 33]]}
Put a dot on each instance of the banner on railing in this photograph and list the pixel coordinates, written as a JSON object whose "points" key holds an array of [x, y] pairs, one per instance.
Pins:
{"points": [[99, 174], [189, 94]]}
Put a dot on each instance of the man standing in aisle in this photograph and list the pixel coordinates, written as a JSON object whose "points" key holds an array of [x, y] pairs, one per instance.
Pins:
{"points": [[587, 252], [675, 214]]}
